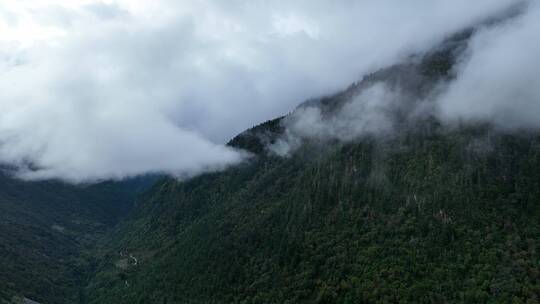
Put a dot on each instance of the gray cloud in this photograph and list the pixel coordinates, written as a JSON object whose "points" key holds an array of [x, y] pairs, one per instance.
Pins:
{"points": [[134, 92]]}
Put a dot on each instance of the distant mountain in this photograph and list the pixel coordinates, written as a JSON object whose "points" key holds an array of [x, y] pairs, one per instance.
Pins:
{"points": [[430, 214], [45, 228]]}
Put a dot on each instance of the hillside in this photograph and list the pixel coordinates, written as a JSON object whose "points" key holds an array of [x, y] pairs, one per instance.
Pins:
{"points": [[45, 228], [430, 214]]}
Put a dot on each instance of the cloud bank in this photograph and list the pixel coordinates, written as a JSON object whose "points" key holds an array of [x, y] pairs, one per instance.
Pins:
{"points": [[92, 89]]}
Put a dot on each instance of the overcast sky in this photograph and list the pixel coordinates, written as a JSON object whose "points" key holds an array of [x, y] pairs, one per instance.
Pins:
{"points": [[94, 89]]}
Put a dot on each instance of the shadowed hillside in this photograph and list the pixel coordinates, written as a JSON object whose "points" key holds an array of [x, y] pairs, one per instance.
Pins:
{"points": [[44, 228]]}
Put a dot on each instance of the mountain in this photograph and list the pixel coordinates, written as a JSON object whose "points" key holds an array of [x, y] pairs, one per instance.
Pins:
{"points": [[428, 213], [45, 227]]}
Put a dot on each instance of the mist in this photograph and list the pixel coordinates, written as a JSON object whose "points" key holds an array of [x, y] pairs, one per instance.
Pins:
{"points": [[95, 90], [497, 80], [493, 81]]}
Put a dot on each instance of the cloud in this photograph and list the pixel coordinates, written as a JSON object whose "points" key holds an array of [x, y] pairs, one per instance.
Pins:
{"points": [[494, 81], [371, 112], [497, 82], [94, 89]]}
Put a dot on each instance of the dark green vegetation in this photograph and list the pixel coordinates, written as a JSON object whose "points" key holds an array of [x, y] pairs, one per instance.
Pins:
{"points": [[422, 219], [44, 229], [430, 214]]}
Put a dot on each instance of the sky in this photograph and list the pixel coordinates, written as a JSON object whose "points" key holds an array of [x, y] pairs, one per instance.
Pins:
{"points": [[93, 90]]}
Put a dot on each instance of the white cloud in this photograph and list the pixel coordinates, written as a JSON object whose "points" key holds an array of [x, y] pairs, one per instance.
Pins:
{"points": [[368, 113], [100, 89], [499, 81]]}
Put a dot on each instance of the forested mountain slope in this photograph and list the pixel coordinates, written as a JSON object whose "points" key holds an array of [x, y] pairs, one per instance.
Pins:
{"points": [[430, 222], [430, 214], [44, 226]]}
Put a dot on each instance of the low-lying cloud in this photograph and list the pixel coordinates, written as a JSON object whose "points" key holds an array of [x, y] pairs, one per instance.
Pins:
{"points": [[494, 81], [93, 89], [498, 80], [368, 113]]}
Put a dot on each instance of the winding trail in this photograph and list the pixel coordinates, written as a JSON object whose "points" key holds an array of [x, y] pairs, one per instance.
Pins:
{"points": [[136, 262]]}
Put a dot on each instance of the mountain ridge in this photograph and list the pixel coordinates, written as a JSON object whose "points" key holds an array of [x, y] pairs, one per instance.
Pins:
{"points": [[431, 214]]}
